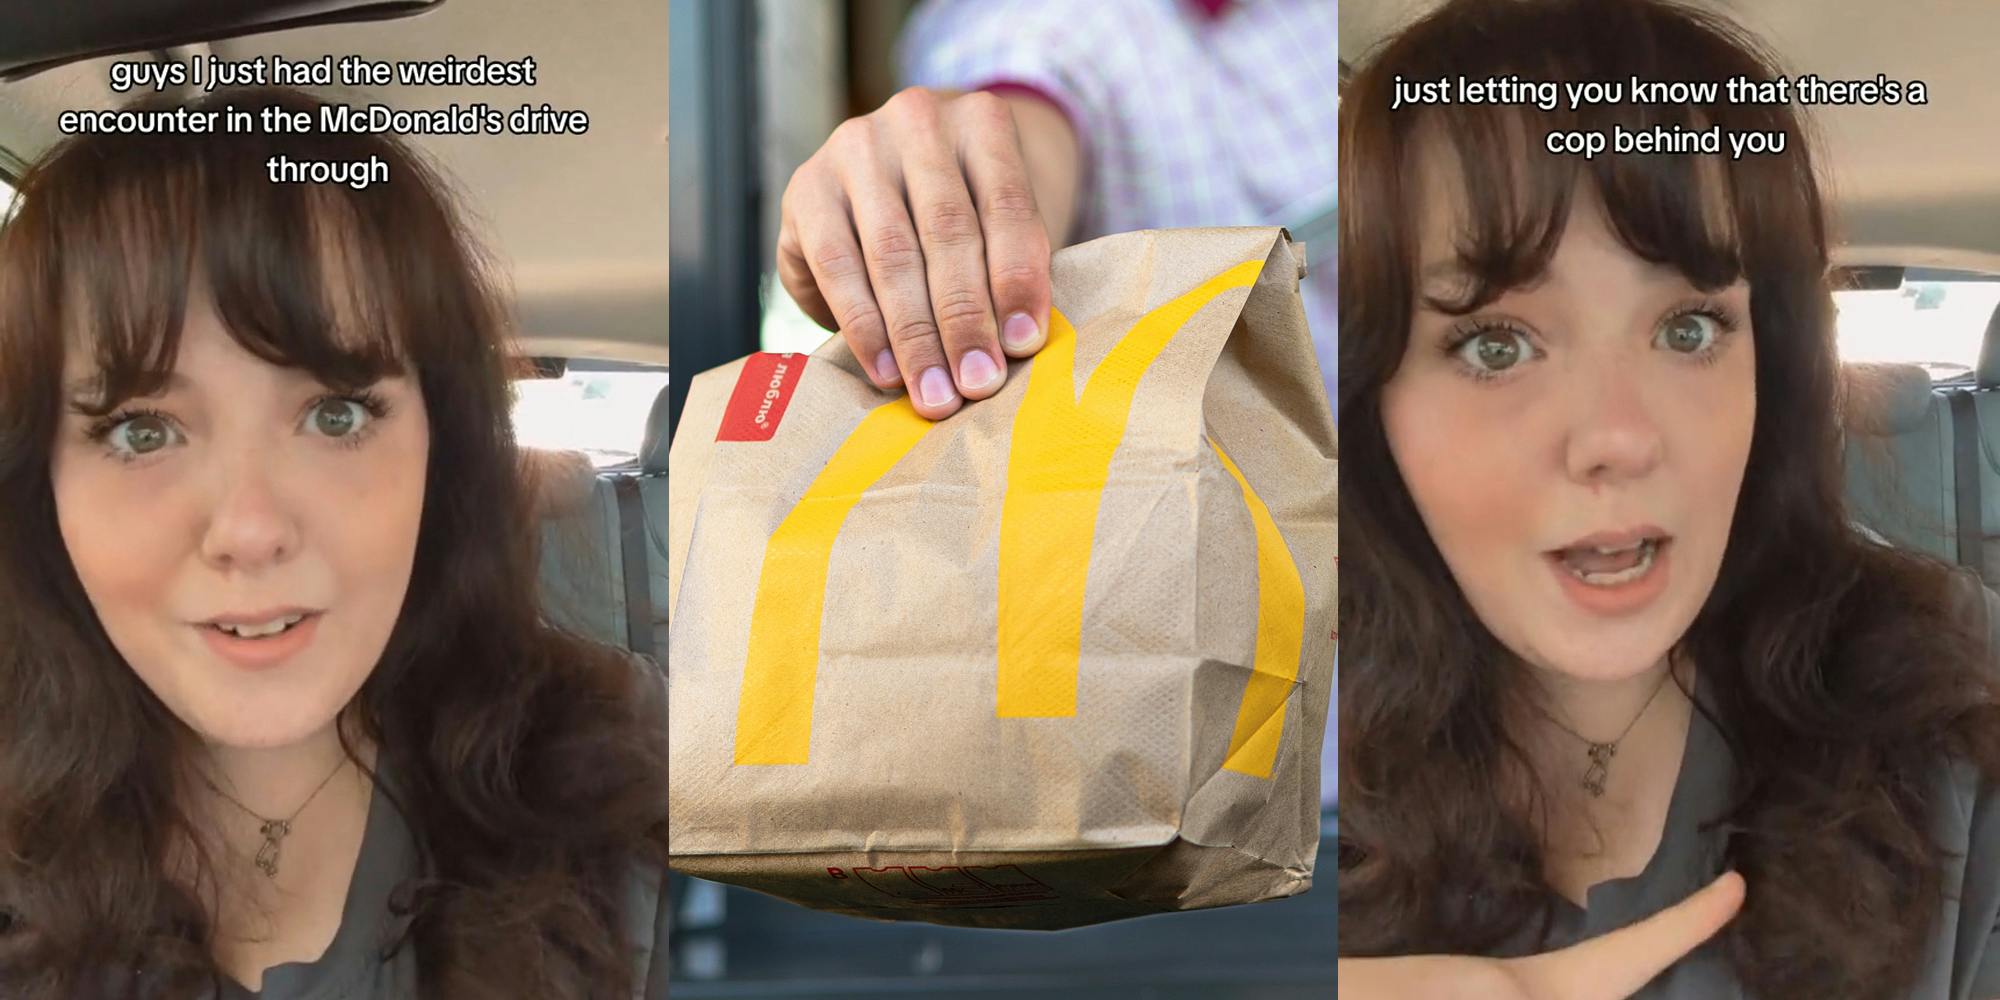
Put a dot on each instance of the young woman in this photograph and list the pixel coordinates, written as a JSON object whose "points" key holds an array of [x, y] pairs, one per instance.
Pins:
{"points": [[279, 714], [1610, 634]]}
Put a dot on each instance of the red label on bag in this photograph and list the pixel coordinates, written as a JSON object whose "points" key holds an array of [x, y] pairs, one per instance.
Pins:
{"points": [[763, 390]]}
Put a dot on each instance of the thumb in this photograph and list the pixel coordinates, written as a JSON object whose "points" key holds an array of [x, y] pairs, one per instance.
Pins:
{"points": [[1616, 965]]}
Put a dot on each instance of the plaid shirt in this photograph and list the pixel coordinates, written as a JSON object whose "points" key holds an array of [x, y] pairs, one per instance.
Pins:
{"points": [[1189, 113]]}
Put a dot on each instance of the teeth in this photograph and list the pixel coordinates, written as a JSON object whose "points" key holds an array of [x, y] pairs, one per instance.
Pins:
{"points": [[269, 628], [1647, 549]]}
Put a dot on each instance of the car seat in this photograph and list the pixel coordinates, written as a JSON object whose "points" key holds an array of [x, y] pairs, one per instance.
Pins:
{"points": [[603, 568]]}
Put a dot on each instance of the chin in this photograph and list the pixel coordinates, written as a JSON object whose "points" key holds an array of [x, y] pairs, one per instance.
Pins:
{"points": [[263, 733], [1599, 663], [276, 719], [1605, 651]]}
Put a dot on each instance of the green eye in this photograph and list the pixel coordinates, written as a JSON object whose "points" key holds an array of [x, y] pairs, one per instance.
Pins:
{"points": [[1493, 351], [1688, 333], [141, 435], [337, 418]]}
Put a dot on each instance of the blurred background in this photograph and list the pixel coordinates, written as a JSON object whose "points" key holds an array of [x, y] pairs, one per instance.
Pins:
{"points": [[756, 87]]}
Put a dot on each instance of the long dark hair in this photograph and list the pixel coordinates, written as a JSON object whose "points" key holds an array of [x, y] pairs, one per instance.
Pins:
{"points": [[1839, 671], [531, 762]]}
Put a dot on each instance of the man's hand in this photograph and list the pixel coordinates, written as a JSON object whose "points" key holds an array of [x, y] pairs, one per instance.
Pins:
{"points": [[918, 233], [1610, 967]]}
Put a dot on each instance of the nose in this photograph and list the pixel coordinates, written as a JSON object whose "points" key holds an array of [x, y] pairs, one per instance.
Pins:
{"points": [[1614, 432], [250, 525]]}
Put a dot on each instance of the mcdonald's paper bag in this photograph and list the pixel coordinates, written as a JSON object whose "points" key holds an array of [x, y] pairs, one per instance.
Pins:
{"points": [[1060, 658]]}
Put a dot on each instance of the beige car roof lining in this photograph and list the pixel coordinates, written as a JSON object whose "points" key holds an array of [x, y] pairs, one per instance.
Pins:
{"points": [[1910, 185], [578, 223]]}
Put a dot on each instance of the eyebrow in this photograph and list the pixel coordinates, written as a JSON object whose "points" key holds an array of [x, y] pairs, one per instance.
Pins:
{"points": [[92, 386]]}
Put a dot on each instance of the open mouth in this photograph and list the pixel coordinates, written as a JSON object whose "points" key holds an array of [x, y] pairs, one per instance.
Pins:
{"points": [[260, 630], [1611, 565]]}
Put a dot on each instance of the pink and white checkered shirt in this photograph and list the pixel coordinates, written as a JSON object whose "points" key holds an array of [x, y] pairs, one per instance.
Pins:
{"points": [[1190, 112]]}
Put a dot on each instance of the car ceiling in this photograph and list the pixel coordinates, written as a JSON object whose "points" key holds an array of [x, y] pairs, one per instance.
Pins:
{"points": [[1915, 185], [578, 223]]}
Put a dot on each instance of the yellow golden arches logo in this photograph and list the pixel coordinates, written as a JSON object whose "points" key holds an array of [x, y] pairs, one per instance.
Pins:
{"points": [[1060, 458]]}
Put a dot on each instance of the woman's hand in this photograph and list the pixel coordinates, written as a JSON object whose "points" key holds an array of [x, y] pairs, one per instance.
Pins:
{"points": [[1609, 967], [921, 232]]}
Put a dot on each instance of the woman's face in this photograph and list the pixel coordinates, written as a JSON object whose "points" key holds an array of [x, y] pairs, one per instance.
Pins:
{"points": [[1575, 447], [245, 499]]}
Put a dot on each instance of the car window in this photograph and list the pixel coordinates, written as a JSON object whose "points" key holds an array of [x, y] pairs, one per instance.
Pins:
{"points": [[599, 408], [6, 199], [1937, 319]]}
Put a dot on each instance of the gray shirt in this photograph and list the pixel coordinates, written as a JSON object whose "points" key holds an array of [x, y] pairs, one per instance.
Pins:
{"points": [[1962, 961], [352, 969]]}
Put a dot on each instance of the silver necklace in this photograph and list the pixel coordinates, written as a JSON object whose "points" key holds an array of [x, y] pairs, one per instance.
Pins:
{"points": [[274, 830], [1600, 754]]}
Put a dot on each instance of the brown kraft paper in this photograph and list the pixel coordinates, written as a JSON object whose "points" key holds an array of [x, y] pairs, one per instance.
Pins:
{"points": [[1044, 663]]}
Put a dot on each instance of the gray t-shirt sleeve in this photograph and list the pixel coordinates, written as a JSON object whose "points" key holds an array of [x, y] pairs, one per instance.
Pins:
{"points": [[1976, 961]]}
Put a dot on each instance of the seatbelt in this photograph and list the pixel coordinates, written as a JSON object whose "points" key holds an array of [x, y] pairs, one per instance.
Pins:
{"points": [[638, 580], [1965, 469]]}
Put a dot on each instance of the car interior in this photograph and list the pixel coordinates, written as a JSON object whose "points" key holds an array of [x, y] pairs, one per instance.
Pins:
{"points": [[1916, 203], [576, 226]]}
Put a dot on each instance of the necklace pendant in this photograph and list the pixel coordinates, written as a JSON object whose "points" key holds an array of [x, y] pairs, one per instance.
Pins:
{"points": [[1600, 768], [274, 831]]}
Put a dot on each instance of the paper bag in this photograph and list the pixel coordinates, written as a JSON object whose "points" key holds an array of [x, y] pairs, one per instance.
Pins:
{"points": [[1060, 658]]}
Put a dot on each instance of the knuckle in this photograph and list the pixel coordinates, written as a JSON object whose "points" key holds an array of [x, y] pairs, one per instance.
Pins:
{"points": [[859, 317], [915, 339], [801, 191], [986, 109], [961, 312], [951, 223], [835, 261], [1017, 277], [912, 102], [1013, 203], [855, 135], [895, 249]]}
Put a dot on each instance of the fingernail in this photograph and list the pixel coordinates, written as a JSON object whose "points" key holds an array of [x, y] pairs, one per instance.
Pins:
{"points": [[976, 370], [885, 367], [936, 387], [1020, 333]]}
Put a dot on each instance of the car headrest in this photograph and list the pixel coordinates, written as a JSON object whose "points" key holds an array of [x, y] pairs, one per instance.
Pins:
{"points": [[653, 450], [559, 483], [1987, 374], [1885, 399]]}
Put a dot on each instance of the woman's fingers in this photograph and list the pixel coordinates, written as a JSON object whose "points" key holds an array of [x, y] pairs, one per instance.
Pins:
{"points": [[898, 276], [914, 232], [954, 244], [1616, 965], [821, 265], [1017, 240]]}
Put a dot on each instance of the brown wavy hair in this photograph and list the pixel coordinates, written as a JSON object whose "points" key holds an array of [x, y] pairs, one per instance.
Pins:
{"points": [[1841, 673], [531, 762]]}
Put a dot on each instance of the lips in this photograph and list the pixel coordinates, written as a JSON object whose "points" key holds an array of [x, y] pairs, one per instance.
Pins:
{"points": [[1613, 572], [1623, 538], [260, 639], [242, 621]]}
